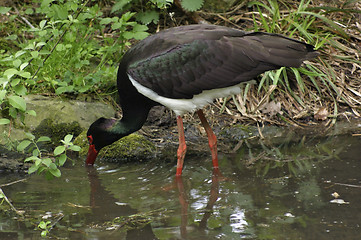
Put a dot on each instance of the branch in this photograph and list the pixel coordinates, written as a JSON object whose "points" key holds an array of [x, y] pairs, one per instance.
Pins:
{"points": [[8, 201]]}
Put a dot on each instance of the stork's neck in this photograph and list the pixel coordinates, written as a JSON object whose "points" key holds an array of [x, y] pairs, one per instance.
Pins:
{"points": [[135, 106], [131, 121]]}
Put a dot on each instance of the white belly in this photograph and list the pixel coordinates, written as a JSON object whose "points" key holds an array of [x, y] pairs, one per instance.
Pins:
{"points": [[181, 106]]}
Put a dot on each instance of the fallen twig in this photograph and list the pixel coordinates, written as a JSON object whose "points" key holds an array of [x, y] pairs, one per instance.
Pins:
{"points": [[11, 183], [8, 201], [344, 184]]}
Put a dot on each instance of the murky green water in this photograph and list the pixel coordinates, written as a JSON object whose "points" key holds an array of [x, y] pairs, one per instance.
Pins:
{"points": [[301, 190]]}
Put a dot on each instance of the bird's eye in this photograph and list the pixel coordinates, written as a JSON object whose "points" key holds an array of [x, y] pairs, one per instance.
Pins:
{"points": [[90, 139]]}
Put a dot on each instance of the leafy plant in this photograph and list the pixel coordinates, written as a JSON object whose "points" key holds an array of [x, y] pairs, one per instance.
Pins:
{"points": [[60, 53], [44, 227], [64, 47], [46, 164], [145, 13]]}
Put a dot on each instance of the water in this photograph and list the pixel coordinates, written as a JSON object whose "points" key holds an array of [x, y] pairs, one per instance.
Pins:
{"points": [[300, 190]]}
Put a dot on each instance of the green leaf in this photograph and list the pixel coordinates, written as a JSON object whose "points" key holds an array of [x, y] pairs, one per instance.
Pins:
{"points": [[17, 102], [68, 138], [42, 24], [61, 11], [16, 63], [31, 158], [33, 169], [106, 21], [119, 5], [29, 11], [140, 28], [31, 113], [45, 3], [42, 225], [44, 139], [61, 90], [36, 152], [9, 73], [24, 74], [126, 16], [148, 17], [4, 121], [140, 35], [75, 148], [62, 159], [60, 47], [19, 53], [34, 54], [13, 112], [39, 44], [41, 169], [20, 90], [24, 65], [4, 10], [117, 25], [55, 172], [191, 5], [30, 136], [15, 82], [53, 166], [2, 94], [47, 162], [38, 162], [59, 150], [24, 144]]}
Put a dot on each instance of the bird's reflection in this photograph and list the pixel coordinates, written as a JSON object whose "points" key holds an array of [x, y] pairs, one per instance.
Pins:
{"points": [[183, 200], [105, 208]]}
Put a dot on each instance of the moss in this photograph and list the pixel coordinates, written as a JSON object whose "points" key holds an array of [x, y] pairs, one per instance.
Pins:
{"points": [[134, 147], [82, 141], [56, 131]]}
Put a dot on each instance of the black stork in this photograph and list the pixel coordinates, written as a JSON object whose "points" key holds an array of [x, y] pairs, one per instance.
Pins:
{"points": [[185, 68]]}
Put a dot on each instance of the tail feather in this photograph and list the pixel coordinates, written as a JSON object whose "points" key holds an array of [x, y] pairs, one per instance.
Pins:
{"points": [[281, 51]]}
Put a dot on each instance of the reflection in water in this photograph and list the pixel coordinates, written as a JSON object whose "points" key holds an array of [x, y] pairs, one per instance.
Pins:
{"points": [[105, 208], [315, 197], [237, 221], [183, 200]]}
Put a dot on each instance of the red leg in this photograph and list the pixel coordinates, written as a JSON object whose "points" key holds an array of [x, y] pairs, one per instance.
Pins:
{"points": [[182, 146], [212, 139]]}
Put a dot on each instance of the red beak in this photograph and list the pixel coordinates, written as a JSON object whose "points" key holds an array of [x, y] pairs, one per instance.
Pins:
{"points": [[92, 155]]}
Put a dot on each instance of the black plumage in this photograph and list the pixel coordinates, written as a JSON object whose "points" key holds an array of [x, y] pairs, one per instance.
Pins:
{"points": [[184, 61], [177, 66]]}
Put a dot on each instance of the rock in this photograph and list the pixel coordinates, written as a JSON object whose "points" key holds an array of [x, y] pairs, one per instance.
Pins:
{"points": [[56, 130], [65, 111], [12, 161], [134, 147], [57, 111]]}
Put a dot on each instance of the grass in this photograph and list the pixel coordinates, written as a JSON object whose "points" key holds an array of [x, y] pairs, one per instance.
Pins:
{"points": [[330, 83]]}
